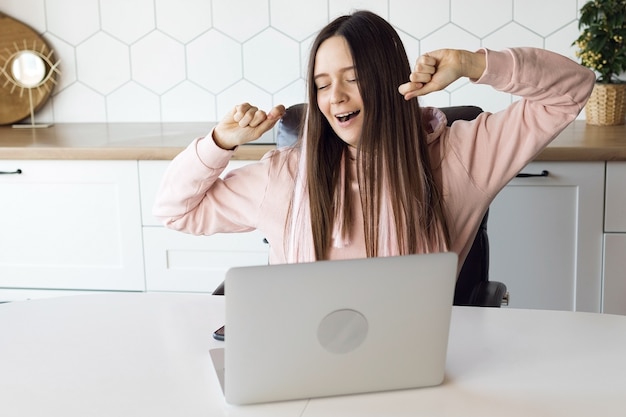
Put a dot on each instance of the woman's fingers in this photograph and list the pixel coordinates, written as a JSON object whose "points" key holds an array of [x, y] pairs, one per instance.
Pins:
{"points": [[247, 115], [425, 67], [422, 74], [245, 123], [408, 89], [265, 121], [434, 71]]}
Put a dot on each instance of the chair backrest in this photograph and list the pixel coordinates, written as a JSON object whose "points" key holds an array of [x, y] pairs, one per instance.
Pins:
{"points": [[475, 270], [290, 125]]}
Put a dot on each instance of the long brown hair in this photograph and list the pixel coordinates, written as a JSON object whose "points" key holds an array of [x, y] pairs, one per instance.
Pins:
{"points": [[393, 160]]}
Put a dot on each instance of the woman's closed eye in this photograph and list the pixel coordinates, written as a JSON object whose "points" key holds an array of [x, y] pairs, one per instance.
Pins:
{"points": [[324, 86]]}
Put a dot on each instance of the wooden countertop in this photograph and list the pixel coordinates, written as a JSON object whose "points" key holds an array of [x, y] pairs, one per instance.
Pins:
{"points": [[156, 141], [583, 142], [112, 141]]}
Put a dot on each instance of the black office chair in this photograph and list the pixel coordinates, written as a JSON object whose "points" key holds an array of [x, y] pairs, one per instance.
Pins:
{"points": [[473, 287]]}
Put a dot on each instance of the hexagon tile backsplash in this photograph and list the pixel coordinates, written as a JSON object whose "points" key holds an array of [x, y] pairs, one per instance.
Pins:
{"points": [[192, 60]]}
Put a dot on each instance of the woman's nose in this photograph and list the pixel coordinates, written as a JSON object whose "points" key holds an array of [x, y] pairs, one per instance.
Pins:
{"points": [[337, 95]]}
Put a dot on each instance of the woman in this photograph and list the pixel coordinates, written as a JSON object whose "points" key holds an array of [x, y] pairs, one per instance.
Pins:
{"points": [[375, 175]]}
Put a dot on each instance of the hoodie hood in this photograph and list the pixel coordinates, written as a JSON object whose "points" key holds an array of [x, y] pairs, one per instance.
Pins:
{"points": [[434, 122]]}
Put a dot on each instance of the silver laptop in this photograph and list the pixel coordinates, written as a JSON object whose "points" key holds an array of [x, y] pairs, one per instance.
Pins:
{"points": [[336, 327]]}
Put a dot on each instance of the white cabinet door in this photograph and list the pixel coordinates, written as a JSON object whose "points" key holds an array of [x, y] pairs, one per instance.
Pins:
{"points": [[545, 237], [177, 261], [71, 225]]}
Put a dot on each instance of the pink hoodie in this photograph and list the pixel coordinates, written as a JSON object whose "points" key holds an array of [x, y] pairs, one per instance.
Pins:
{"points": [[478, 158]]}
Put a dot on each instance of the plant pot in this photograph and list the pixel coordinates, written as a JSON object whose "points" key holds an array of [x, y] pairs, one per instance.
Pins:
{"points": [[607, 105]]}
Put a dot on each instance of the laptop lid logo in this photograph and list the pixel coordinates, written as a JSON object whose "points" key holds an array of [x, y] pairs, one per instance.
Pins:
{"points": [[342, 331]]}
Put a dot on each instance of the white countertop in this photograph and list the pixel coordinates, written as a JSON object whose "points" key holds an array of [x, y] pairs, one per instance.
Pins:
{"points": [[148, 354]]}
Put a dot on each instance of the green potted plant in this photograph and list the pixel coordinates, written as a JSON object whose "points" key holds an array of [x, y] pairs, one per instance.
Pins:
{"points": [[602, 47]]}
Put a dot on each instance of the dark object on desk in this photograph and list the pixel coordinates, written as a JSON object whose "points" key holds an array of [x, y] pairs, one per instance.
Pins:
{"points": [[473, 287], [219, 333]]}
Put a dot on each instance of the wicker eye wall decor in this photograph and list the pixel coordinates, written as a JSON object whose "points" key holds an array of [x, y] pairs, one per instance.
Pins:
{"points": [[28, 72]]}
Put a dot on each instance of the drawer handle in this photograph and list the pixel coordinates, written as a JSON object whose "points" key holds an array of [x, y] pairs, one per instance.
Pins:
{"points": [[17, 171], [544, 173]]}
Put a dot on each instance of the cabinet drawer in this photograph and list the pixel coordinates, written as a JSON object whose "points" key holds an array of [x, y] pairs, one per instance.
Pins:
{"points": [[177, 261], [615, 216]]}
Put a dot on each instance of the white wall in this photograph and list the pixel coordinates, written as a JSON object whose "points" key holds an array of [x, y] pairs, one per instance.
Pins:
{"points": [[192, 60]]}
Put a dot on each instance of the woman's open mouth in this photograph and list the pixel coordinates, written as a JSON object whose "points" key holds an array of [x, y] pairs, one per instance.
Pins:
{"points": [[344, 117]]}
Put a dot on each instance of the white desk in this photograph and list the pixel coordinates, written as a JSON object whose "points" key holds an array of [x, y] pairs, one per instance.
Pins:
{"points": [[147, 355]]}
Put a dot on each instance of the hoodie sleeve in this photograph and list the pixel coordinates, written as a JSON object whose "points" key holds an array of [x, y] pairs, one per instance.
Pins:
{"points": [[479, 157], [552, 90], [193, 198]]}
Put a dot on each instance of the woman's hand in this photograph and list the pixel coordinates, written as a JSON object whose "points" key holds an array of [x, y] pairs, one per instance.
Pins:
{"points": [[244, 124], [436, 70]]}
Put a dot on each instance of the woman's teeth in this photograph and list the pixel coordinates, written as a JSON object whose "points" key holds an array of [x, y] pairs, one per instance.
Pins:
{"points": [[346, 116]]}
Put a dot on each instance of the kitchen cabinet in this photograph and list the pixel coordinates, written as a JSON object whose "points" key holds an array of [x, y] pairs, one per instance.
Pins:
{"points": [[546, 236], [69, 225], [73, 226], [78, 218], [177, 261], [614, 294]]}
